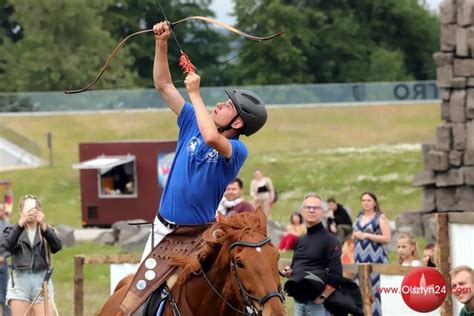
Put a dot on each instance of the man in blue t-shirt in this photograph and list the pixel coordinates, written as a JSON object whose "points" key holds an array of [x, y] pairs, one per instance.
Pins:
{"points": [[209, 153]]}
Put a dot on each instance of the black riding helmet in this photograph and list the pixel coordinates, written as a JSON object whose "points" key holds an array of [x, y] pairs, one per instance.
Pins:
{"points": [[250, 108]]}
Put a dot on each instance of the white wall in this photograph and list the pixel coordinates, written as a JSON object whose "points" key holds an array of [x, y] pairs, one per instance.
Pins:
{"points": [[461, 238]]}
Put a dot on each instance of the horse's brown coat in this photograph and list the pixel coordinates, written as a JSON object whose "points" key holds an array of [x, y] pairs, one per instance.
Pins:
{"points": [[258, 271]]}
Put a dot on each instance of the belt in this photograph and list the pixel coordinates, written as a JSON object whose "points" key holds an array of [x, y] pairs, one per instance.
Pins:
{"points": [[165, 222]]}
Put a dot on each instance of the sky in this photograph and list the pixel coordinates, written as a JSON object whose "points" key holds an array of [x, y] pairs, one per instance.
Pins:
{"points": [[433, 4], [222, 8]]}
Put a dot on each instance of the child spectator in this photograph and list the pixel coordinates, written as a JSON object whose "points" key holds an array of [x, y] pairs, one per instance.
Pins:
{"points": [[347, 256], [348, 251], [294, 230], [428, 255], [407, 250]]}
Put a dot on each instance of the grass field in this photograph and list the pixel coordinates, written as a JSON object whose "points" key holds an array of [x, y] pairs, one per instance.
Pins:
{"points": [[339, 152]]}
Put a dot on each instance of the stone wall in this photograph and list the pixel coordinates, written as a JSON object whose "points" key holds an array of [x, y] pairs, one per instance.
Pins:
{"points": [[448, 165]]}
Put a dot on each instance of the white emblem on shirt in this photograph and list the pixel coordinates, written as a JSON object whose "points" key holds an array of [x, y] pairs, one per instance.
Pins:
{"points": [[192, 145], [212, 156]]}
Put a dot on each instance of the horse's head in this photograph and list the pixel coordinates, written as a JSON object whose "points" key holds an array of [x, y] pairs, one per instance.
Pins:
{"points": [[253, 261], [237, 245]]}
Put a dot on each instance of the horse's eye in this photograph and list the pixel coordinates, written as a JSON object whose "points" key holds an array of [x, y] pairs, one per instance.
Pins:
{"points": [[239, 264]]}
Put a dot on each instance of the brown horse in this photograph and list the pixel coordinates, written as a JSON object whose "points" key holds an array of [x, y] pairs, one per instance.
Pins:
{"points": [[234, 273]]}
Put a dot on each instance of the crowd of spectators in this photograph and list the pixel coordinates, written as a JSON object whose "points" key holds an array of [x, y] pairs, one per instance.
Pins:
{"points": [[330, 241]]}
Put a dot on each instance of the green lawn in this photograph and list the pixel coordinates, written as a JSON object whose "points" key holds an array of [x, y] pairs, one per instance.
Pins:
{"points": [[300, 149], [96, 276]]}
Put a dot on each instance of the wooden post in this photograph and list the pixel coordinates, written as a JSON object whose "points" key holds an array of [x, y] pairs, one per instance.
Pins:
{"points": [[442, 259], [46, 298], [49, 138], [78, 286], [366, 288]]}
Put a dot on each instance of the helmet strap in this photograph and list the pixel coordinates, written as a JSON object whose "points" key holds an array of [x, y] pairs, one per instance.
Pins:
{"points": [[228, 126]]}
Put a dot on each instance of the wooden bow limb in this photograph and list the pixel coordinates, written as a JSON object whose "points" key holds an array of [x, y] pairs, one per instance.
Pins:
{"points": [[185, 62], [104, 67], [228, 27]]}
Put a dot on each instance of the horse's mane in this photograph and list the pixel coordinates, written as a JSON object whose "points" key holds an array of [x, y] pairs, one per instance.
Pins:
{"points": [[216, 238]]}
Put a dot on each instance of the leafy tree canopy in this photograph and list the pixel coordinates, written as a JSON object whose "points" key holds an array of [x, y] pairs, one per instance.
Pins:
{"points": [[57, 45], [338, 40]]}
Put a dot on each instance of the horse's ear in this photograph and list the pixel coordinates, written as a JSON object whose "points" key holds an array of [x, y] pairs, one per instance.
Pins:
{"points": [[216, 234], [262, 218]]}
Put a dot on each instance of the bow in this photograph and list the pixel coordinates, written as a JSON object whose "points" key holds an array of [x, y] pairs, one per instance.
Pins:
{"points": [[184, 60]]}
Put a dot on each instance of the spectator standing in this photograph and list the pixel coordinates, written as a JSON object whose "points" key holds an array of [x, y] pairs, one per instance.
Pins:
{"points": [[7, 197], [339, 221], [30, 243], [209, 153], [262, 192], [462, 285], [407, 250], [294, 230], [317, 251], [428, 255], [3, 262], [372, 234], [233, 201]]}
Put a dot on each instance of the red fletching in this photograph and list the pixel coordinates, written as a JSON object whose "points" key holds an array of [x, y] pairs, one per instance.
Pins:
{"points": [[186, 64]]}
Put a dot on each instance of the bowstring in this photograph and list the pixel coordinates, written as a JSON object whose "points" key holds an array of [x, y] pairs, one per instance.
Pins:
{"points": [[171, 30], [180, 80], [181, 50], [242, 53]]}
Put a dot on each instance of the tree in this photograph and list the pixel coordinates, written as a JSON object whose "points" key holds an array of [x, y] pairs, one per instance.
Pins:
{"points": [[386, 65], [337, 41], [280, 60], [404, 25], [8, 27], [62, 48], [204, 43]]}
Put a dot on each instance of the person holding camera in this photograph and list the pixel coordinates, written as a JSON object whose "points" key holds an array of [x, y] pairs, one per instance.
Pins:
{"points": [[30, 242], [3, 263]]}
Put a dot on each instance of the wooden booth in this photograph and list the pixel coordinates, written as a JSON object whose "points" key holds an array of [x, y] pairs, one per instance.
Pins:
{"points": [[122, 180]]}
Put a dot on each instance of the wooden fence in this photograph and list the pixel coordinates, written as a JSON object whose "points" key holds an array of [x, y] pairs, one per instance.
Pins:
{"points": [[443, 264], [363, 271], [80, 261]]}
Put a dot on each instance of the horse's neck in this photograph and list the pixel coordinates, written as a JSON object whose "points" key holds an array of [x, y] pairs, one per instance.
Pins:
{"points": [[198, 295]]}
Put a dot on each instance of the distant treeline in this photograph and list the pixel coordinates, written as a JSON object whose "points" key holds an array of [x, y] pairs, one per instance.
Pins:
{"points": [[52, 45]]}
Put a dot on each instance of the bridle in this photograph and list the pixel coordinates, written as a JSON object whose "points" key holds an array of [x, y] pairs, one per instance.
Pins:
{"points": [[249, 299]]}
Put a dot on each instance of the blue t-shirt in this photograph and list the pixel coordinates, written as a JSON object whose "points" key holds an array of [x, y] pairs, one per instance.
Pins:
{"points": [[199, 174]]}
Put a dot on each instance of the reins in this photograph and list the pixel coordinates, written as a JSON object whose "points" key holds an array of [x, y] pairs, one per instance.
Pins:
{"points": [[246, 296]]}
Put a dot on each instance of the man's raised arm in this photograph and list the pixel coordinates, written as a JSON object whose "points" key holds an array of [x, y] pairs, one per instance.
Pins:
{"points": [[161, 72]]}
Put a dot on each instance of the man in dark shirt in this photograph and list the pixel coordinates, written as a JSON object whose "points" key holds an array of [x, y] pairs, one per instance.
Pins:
{"points": [[314, 253], [339, 221]]}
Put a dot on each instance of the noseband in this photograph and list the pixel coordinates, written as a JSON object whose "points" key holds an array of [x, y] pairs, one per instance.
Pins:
{"points": [[250, 308], [249, 298]]}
